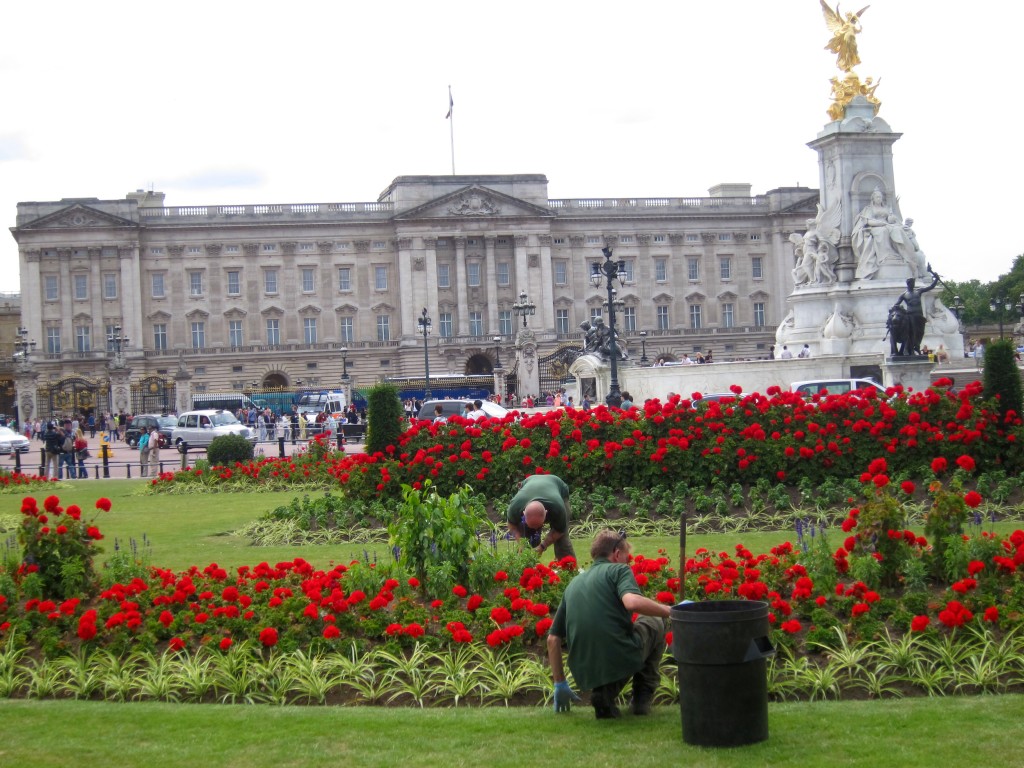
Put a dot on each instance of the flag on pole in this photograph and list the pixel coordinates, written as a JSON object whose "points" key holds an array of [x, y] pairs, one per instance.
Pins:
{"points": [[451, 103]]}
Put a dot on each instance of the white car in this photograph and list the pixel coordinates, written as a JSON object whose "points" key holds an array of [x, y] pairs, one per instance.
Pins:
{"points": [[11, 441], [197, 429], [834, 386], [453, 407]]}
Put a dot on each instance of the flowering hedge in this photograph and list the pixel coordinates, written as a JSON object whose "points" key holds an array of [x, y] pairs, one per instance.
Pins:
{"points": [[880, 576], [777, 437]]}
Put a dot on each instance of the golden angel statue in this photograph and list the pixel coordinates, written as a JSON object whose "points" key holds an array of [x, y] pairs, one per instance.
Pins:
{"points": [[844, 35]]}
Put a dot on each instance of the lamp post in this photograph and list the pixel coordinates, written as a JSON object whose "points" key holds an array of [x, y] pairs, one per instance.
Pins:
{"points": [[118, 340], [22, 346], [524, 307], [424, 323], [610, 270], [643, 348], [344, 374], [497, 352], [958, 307], [1001, 303]]}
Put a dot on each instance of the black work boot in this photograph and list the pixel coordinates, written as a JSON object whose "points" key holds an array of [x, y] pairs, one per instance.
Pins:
{"points": [[641, 702], [605, 707]]}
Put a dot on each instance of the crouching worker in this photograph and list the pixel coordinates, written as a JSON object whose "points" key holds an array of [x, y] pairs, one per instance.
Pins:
{"points": [[542, 499], [606, 647]]}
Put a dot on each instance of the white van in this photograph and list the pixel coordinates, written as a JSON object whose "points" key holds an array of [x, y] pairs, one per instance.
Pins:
{"points": [[834, 386], [312, 403]]}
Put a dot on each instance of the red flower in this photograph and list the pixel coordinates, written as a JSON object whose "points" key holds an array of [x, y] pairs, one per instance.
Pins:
{"points": [[413, 582], [225, 643], [907, 487], [459, 591], [966, 463], [176, 644], [919, 623], [500, 615], [939, 465], [103, 504], [331, 632], [268, 636], [792, 626], [972, 498], [93, 533], [880, 481], [992, 614], [474, 602]]}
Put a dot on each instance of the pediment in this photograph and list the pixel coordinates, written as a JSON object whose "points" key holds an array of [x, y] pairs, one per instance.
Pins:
{"points": [[77, 216], [309, 309], [235, 313], [474, 202], [661, 298], [727, 296], [197, 315], [159, 316], [272, 311], [346, 309]]}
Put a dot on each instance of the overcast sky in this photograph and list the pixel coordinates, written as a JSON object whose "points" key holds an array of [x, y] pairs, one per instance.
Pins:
{"points": [[221, 102]]}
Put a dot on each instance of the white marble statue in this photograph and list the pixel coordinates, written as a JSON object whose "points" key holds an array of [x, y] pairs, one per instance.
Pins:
{"points": [[840, 324], [878, 235], [813, 249]]}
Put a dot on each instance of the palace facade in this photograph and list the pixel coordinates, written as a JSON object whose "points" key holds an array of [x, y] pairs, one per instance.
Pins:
{"points": [[240, 297]]}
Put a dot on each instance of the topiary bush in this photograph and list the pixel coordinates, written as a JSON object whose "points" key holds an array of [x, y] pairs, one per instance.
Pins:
{"points": [[1002, 378], [227, 449], [384, 418]]}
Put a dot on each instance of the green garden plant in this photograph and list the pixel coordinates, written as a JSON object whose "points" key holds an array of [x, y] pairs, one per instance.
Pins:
{"points": [[226, 450]]}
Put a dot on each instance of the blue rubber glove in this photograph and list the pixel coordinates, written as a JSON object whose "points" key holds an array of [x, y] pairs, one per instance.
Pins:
{"points": [[564, 696]]}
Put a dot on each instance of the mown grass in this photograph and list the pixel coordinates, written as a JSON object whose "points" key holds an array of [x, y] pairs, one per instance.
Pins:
{"points": [[185, 530], [911, 733]]}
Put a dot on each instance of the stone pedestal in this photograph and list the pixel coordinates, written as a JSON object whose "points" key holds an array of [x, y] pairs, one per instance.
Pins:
{"points": [[529, 373], [912, 372]]}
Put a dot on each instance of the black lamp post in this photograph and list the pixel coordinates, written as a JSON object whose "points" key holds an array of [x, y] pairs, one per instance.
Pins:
{"points": [[497, 352], [424, 323], [958, 307], [1001, 303], [643, 347], [344, 364], [23, 346], [524, 307], [118, 340], [610, 270]]}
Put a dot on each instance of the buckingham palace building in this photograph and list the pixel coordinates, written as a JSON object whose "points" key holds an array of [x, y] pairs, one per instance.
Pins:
{"points": [[125, 302]]}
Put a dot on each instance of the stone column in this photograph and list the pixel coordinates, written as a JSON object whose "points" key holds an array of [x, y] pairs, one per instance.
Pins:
{"points": [[461, 292], [182, 386], [26, 393], [406, 286], [131, 294], [522, 273], [430, 279], [67, 289], [32, 296], [120, 387], [529, 373], [492, 285], [546, 302]]}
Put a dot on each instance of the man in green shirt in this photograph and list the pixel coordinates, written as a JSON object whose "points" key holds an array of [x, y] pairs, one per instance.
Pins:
{"points": [[542, 499], [606, 647]]}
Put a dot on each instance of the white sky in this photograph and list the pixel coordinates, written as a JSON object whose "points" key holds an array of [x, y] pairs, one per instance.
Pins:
{"points": [[219, 102]]}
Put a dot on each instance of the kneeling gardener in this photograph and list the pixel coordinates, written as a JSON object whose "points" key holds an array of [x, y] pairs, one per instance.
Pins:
{"points": [[542, 499], [606, 647]]}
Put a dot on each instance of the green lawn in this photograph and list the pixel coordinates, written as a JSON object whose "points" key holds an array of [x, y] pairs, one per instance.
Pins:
{"points": [[907, 733], [191, 529]]}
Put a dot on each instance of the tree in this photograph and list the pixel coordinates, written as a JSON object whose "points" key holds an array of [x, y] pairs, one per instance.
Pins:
{"points": [[384, 418], [1002, 378]]}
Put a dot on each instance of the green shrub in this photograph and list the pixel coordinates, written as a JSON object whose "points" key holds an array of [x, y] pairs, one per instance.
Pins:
{"points": [[384, 418], [227, 449], [1002, 379], [433, 532]]}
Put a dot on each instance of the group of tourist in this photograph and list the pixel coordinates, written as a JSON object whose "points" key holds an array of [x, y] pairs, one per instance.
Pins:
{"points": [[64, 450]]}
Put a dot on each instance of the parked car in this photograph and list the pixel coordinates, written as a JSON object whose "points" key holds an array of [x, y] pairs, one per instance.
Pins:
{"points": [[197, 429], [141, 423], [11, 441], [834, 386], [453, 407]]}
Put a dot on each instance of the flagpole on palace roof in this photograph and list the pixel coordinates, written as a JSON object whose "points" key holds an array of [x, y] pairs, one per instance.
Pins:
{"points": [[451, 125]]}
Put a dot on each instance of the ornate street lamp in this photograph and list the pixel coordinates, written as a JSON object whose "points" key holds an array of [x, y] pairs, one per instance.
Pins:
{"points": [[1001, 303], [118, 341], [610, 270], [524, 307], [424, 323], [22, 346], [958, 307], [497, 352], [344, 364], [643, 347]]}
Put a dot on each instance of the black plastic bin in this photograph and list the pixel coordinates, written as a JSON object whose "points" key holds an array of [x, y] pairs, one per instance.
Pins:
{"points": [[722, 647]]}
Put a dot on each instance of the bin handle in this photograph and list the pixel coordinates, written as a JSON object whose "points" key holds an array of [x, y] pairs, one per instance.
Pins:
{"points": [[760, 648]]}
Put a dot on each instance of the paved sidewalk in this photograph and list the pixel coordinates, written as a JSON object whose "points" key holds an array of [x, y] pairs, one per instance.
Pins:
{"points": [[124, 461]]}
